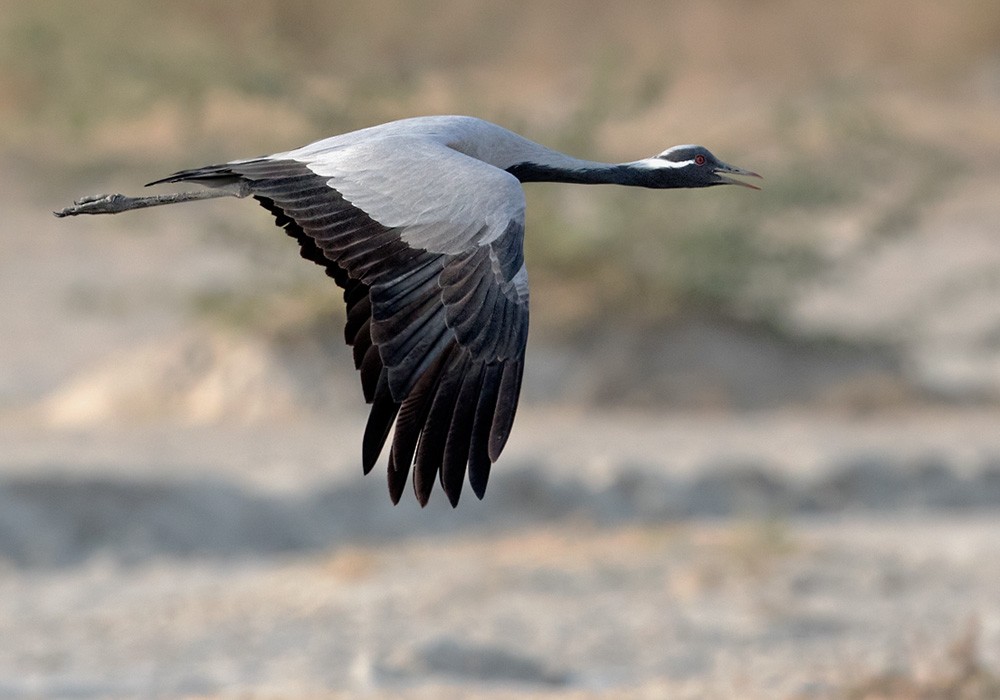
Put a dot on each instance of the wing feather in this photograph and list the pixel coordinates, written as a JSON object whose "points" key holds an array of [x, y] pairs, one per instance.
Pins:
{"points": [[380, 420], [479, 454], [410, 422], [362, 341], [506, 407], [433, 437], [459, 438], [371, 370]]}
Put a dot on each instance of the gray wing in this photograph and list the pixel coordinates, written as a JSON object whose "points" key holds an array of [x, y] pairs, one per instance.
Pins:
{"points": [[428, 247]]}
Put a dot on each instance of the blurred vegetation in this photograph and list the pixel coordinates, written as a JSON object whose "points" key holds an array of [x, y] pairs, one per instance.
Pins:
{"points": [[818, 97]]}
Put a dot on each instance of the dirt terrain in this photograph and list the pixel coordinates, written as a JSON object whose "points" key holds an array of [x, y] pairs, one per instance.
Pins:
{"points": [[615, 555]]}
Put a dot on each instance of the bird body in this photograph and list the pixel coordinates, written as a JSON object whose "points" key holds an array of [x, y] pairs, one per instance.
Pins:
{"points": [[421, 222], [470, 136]]}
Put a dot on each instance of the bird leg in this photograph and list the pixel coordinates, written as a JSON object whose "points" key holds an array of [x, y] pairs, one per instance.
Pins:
{"points": [[117, 203]]}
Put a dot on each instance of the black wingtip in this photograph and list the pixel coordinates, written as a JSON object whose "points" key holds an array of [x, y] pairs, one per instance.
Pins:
{"points": [[396, 477], [394, 494], [423, 496], [478, 478]]}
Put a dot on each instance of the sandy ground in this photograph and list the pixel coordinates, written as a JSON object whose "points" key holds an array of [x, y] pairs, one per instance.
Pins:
{"points": [[246, 562]]}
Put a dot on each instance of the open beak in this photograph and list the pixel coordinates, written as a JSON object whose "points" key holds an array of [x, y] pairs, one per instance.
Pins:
{"points": [[733, 170]]}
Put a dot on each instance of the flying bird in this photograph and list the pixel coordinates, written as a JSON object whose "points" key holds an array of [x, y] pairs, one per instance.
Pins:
{"points": [[421, 222]]}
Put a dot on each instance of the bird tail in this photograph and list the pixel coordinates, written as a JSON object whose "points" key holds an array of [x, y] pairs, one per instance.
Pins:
{"points": [[210, 175]]}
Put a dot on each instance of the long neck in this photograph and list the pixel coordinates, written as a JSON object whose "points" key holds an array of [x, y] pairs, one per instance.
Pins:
{"points": [[529, 161], [583, 173]]}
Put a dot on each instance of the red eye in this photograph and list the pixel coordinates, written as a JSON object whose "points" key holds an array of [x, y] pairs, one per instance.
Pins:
{"points": [[699, 159]]}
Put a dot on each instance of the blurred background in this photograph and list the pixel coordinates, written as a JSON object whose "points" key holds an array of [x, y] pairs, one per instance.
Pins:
{"points": [[759, 448]]}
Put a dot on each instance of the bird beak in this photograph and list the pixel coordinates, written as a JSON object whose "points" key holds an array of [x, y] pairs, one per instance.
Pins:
{"points": [[733, 170]]}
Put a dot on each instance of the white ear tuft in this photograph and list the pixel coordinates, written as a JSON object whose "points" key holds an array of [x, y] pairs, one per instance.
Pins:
{"points": [[659, 162]]}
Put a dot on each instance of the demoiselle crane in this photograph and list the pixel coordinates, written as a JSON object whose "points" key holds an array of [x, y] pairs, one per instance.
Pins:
{"points": [[421, 222]]}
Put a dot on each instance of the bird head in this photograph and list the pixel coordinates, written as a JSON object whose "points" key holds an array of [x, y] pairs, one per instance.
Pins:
{"points": [[693, 166]]}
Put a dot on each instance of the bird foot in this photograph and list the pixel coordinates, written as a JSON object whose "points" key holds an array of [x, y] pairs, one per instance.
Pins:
{"points": [[96, 204], [115, 203]]}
